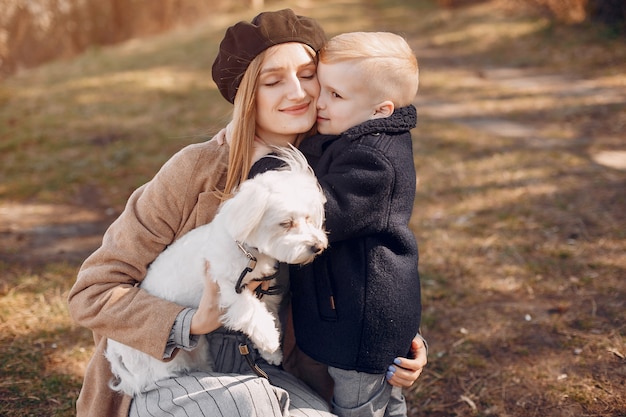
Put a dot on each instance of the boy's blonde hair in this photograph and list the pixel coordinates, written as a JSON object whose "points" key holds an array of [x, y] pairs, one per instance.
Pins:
{"points": [[384, 58]]}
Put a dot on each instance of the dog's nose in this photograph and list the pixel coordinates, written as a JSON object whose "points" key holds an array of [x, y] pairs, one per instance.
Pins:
{"points": [[317, 248]]}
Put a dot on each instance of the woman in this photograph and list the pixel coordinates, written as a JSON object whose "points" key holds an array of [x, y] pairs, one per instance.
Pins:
{"points": [[267, 69]]}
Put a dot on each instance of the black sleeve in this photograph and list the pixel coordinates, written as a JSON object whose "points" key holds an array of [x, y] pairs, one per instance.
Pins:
{"points": [[266, 163]]}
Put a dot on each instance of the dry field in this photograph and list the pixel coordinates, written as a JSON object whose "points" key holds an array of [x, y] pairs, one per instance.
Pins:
{"points": [[520, 210]]}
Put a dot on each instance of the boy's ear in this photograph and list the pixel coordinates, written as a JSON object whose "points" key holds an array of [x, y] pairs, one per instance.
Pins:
{"points": [[383, 109]]}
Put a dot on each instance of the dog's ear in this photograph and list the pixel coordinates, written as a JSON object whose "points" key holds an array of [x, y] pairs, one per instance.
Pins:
{"points": [[244, 211]]}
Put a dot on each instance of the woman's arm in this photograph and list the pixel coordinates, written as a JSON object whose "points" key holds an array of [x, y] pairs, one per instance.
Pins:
{"points": [[106, 297]]}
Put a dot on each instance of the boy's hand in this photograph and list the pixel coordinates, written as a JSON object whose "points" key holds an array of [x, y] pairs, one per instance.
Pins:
{"points": [[224, 135]]}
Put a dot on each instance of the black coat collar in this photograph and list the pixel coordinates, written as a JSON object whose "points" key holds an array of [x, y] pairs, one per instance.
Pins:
{"points": [[402, 120]]}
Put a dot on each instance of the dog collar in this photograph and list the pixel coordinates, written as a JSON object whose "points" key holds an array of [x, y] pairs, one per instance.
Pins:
{"points": [[260, 292], [249, 268]]}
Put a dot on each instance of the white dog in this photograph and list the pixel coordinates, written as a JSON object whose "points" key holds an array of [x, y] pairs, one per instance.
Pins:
{"points": [[277, 216]]}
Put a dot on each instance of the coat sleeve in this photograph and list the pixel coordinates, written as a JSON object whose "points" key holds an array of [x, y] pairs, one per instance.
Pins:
{"points": [[105, 297], [358, 187]]}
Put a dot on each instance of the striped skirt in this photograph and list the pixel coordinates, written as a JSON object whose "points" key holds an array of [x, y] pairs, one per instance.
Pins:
{"points": [[233, 390]]}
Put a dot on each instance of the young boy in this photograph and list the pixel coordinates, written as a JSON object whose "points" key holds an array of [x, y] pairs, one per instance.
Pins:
{"points": [[358, 305]]}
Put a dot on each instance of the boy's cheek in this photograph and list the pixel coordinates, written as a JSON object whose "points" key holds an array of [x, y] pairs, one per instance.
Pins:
{"points": [[324, 128]]}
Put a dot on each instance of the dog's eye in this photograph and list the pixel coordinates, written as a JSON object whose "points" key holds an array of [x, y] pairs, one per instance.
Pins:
{"points": [[287, 224]]}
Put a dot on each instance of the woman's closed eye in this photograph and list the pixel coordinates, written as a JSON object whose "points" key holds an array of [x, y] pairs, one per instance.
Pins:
{"points": [[308, 75], [271, 82], [308, 72]]}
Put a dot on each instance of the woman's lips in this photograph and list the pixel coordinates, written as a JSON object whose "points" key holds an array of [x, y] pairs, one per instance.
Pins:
{"points": [[299, 109]]}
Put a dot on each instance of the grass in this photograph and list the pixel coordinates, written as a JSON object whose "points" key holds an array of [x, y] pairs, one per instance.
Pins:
{"points": [[522, 231], [43, 352]]}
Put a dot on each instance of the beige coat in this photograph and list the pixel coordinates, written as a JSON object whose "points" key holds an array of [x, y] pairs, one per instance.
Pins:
{"points": [[105, 297]]}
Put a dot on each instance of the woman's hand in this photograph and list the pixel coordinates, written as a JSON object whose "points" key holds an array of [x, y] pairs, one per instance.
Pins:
{"points": [[207, 317], [253, 285], [404, 372]]}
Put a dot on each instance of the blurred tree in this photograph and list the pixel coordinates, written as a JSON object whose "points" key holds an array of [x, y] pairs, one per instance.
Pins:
{"points": [[609, 12], [36, 31]]}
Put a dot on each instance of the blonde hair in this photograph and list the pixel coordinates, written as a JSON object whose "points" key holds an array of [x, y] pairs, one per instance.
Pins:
{"points": [[244, 124], [386, 59]]}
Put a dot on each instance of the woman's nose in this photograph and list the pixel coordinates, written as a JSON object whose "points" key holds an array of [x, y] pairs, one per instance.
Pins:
{"points": [[296, 90]]}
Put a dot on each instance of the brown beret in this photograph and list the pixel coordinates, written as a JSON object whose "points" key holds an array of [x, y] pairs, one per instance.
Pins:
{"points": [[244, 41]]}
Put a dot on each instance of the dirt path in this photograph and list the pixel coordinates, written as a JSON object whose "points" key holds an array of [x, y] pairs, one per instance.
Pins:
{"points": [[514, 85], [34, 234]]}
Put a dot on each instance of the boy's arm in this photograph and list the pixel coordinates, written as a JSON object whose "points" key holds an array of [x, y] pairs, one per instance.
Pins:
{"points": [[265, 163], [358, 188]]}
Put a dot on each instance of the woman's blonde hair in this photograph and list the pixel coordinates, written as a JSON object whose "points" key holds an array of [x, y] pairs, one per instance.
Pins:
{"points": [[244, 124], [386, 59]]}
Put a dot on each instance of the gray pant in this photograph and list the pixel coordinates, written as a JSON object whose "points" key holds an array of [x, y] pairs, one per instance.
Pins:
{"points": [[358, 394], [231, 391]]}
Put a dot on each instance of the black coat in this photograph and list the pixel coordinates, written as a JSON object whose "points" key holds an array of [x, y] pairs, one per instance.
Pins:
{"points": [[358, 305]]}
